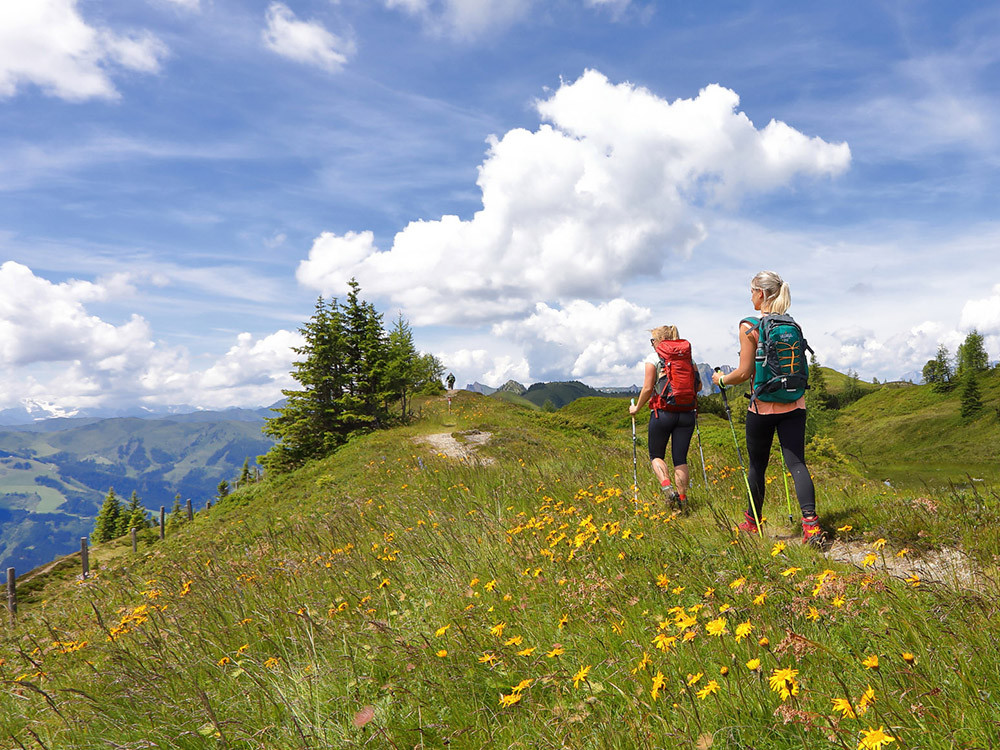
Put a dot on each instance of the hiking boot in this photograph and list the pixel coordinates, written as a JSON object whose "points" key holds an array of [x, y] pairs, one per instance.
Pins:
{"points": [[749, 525], [671, 495], [811, 531]]}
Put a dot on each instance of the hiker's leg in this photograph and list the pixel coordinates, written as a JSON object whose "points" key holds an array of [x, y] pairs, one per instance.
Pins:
{"points": [[657, 435], [680, 442], [760, 434], [792, 436]]}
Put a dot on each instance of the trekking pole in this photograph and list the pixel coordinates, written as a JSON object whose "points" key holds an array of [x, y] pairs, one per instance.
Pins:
{"points": [[635, 461], [739, 456], [784, 473], [697, 429]]}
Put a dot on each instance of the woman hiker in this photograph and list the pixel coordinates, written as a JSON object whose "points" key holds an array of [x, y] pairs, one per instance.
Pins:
{"points": [[774, 407], [670, 386]]}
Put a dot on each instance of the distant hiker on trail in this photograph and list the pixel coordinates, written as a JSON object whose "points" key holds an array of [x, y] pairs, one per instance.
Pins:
{"points": [[670, 386], [773, 353], [451, 381]]}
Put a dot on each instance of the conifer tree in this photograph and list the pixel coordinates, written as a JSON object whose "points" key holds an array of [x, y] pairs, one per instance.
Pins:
{"points": [[177, 516], [106, 523], [972, 400], [222, 491], [132, 514], [245, 476], [308, 425], [401, 363], [938, 372], [971, 356], [818, 400], [363, 404]]}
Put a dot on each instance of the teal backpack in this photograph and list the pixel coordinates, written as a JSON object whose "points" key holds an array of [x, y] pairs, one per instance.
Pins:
{"points": [[781, 370]]}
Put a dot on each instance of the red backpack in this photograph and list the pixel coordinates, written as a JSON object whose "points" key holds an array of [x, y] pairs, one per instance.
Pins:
{"points": [[678, 381]]}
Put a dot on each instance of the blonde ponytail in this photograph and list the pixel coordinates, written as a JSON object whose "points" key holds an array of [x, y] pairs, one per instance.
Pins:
{"points": [[777, 295]]}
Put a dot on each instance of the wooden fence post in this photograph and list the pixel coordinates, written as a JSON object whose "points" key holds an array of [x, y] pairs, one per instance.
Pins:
{"points": [[190, 510], [163, 516], [12, 594], [208, 505], [135, 541], [84, 557]]}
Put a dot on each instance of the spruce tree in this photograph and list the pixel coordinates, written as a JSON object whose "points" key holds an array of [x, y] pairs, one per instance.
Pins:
{"points": [[132, 514], [401, 363], [245, 476], [106, 523], [363, 404], [308, 425], [972, 400], [818, 401], [177, 515], [937, 373], [222, 491], [971, 356]]}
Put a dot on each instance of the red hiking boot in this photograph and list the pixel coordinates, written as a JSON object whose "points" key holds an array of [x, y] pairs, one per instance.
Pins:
{"points": [[811, 531], [749, 525]]}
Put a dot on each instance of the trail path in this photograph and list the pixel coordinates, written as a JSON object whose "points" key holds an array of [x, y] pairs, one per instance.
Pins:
{"points": [[464, 449]]}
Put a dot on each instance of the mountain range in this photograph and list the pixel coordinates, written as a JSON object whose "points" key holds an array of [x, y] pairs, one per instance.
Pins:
{"points": [[55, 473]]}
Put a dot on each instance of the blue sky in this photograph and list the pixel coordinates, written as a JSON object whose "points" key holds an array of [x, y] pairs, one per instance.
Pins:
{"points": [[532, 184]]}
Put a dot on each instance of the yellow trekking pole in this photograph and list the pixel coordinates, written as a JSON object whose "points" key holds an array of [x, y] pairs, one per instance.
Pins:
{"points": [[635, 461], [739, 456]]}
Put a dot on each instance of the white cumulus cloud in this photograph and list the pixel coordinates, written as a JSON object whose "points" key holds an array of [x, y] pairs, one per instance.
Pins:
{"points": [[983, 314], [52, 349], [583, 341], [48, 43], [307, 42], [615, 183]]}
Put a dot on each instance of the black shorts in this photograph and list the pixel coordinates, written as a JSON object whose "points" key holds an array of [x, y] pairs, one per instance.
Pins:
{"points": [[664, 425]]}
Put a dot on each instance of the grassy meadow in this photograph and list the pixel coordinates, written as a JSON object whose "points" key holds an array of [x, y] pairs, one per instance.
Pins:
{"points": [[392, 596]]}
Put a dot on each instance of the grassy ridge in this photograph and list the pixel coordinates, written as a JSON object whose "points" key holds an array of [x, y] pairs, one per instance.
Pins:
{"points": [[916, 428], [394, 597]]}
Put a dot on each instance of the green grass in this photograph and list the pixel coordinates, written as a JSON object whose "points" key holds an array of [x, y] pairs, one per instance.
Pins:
{"points": [[392, 597]]}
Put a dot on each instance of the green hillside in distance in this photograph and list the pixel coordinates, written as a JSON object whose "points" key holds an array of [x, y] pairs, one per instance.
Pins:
{"points": [[559, 393], [53, 477], [399, 594], [912, 434]]}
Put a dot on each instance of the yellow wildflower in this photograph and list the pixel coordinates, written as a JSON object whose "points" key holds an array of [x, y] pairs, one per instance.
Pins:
{"points": [[488, 658], [693, 678], [871, 662], [759, 599], [783, 682], [442, 630], [777, 549], [658, 681], [874, 739], [813, 614], [556, 651], [753, 665], [514, 640], [790, 571], [908, 657], [442, 653], [527, 651], [509, 700], [641, 666], [844, 706], [711, 687], [497, 629], [738, 583], [580, 676], [848, 527], [743, 630], [717, 627]]}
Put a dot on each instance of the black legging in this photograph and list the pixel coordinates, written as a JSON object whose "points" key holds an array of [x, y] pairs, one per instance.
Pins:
{"points": [[791, 427], [666, 424]]}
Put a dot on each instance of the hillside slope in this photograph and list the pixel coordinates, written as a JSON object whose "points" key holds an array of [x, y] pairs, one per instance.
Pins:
{"points": [[915, 431], [53, 477], [393, 596]]}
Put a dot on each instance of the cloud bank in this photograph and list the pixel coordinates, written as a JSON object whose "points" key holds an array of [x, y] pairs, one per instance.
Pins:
{"points": [[53, 350], [47, 43]]}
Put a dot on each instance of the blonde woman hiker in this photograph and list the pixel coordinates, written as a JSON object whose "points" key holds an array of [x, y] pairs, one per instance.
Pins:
{"points": [[773, 353], [670, 386]]}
